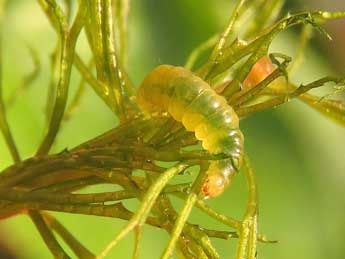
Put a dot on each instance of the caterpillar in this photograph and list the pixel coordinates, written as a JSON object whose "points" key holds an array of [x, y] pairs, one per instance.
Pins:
{"points": [[190, 100]]}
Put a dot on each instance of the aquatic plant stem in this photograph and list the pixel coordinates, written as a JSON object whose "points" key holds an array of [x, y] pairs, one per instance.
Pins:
{"points": [[148, 200]]}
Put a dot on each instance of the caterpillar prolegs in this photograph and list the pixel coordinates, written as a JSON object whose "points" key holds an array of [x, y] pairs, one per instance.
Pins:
{"points": [[190, 100]]}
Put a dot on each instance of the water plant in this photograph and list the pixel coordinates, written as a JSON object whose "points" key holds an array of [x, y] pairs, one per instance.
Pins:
{"points": [[239, 72]]}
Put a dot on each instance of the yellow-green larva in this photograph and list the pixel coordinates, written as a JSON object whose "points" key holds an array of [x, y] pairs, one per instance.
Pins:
{"points": [[190, 100]]}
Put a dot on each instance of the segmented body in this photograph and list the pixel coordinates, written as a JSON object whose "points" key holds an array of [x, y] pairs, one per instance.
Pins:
{"points": [[190, 100]]}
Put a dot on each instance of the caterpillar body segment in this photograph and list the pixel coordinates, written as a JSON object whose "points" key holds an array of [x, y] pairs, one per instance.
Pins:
{"points": [[190, 100]]}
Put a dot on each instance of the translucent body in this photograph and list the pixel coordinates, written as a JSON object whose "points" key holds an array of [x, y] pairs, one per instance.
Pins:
{"points": [[259, 72], [262, 69], [190, 100]]}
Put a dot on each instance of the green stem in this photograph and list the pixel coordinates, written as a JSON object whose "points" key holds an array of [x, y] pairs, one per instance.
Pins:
{"points": [[148, 200], [121, 10], [80, 250], [48, 236], [217, 52], [68, 39], [100, 88], [184, 214], [77, 97], [248, 235], [137, 242], [21, 196]]}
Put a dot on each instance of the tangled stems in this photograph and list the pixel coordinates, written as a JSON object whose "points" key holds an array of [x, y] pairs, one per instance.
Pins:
{"points": [[68, 38], [51, 182]]}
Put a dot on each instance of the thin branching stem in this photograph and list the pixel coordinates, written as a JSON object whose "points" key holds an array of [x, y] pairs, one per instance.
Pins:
{"points": [[258, 47], [48, 236], [99, 87], [68, 37], [138, 234], [114, 73], [332, 109], [148, 200], [217, 52], [305, 36], [121, 11], [184, 214], [80, 250], [77, 97], [248, 234], [54, 76], [265, 13]]}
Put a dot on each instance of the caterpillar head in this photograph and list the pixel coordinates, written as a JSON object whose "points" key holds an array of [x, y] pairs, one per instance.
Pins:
{"points": [[213, 186], [219, 175]]}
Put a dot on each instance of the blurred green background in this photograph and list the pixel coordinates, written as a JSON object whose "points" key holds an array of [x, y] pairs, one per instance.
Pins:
{"points": [[298, 156]]}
